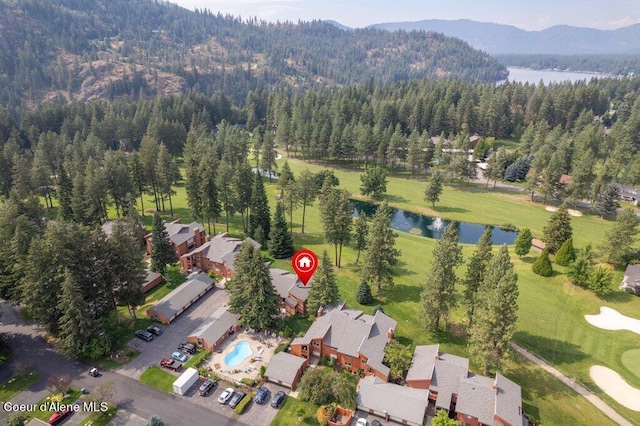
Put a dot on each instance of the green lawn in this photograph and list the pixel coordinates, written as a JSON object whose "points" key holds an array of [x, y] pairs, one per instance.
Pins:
{"points": [[17, 384], [99, 418], [631, 361], [551, 316], [157, 378], [196, 359], [295, 412]]}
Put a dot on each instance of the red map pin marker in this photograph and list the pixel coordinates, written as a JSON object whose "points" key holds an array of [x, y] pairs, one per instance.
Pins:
{"points": [[304, 262]]}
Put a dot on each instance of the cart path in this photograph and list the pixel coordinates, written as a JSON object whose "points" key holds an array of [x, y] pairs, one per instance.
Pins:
{"points": [[590, 396]]}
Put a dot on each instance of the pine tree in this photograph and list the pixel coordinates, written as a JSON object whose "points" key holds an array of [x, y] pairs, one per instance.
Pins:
{"points": [[65, 194], [438, 296], [360, 231], [79, 202], [280, 240], [558, 229], [566, 254], [580, 270], [606, 203], [374, 182], [600, 280], [363, 295], [496, 314], [259, 216], [306, 191], [76, 325], [208, 199], [434, 189], [162, 251], [251, 292], [523, 242], [381, 255], [324, 288], [243, 188], [618, 245], [224, 182], [476, 271], [336, 210], [127, 265], [542, 266]]}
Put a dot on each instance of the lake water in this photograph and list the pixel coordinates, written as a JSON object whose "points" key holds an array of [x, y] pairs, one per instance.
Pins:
{"points": [[469, 233], [527, 75]]}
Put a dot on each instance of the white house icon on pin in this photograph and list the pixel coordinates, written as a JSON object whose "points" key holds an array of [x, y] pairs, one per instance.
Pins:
{"points": [[304, 262]]}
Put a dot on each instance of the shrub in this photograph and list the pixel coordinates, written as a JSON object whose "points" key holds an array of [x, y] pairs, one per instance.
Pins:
{"points": [[263, 369], [566, 254], [242, 404], [377, 308], [324, 414], [249, 382], [363, 296], [542, 265]]}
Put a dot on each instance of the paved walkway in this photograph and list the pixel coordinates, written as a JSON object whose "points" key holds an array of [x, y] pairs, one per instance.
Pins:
{"points": [[600, 404]]}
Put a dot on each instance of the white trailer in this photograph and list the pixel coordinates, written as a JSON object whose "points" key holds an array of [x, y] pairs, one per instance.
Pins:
{"points": [[185, 381]]}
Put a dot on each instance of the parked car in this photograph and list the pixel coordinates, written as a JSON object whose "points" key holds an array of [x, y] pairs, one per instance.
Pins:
{"points": [[144, 335], [362, 422], [154, 329], [207, 387], [262, 395], [59, 416], [236, 398], [170, 364], [278, 400], [225, 396], [187, 348], [179, 357], [376, 423]]}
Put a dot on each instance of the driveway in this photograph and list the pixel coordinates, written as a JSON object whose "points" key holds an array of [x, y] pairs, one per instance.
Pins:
{"points": [[173, 334], [28, 345]]}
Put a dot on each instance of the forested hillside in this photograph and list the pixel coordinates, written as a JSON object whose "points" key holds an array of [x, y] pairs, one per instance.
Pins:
{"points": [[84, 50]]}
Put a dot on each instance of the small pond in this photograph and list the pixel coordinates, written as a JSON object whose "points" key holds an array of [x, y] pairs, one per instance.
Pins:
{"points": [[426, 226]]}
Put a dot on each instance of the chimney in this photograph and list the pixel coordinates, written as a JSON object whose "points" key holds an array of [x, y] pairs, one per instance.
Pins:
{"points": [[319, 312], [390, 333]]}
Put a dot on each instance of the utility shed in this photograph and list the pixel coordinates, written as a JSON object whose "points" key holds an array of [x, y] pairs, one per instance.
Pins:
{"points": [[185, 381]]}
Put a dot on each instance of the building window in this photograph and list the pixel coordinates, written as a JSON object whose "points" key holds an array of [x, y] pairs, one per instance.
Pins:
{"points": [[316, 344], [348, 364], [364, 361]]}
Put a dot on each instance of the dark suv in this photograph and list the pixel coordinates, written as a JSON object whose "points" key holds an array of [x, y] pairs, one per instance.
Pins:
{"points": [[154, 329], [188, 348], [207, 387], [236, 398], [278, 400], [144, 335]]}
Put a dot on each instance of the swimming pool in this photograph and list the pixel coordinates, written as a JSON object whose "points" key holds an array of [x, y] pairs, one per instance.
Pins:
{"points": [[240, 352]]}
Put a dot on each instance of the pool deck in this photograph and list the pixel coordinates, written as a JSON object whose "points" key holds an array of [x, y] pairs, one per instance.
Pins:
{"points": [[262, 347]]}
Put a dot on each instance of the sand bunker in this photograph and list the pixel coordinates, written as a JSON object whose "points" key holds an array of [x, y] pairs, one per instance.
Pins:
{"points": [[572, 212], [615, 386], [610, 319]]}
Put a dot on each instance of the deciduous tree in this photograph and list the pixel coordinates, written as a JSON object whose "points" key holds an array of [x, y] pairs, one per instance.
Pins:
{"points": [[600, 280], [374, 182], [398, 358]]}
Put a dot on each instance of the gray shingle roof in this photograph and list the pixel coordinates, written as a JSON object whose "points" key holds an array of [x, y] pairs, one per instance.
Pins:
{"points": [[632, 275], [351, 332], [477, 398], [508, 401], [151, 276], [183, 295], [214, 327], [284, 367], [422, 363], [223, 249], [400, 402], [179, 233]]}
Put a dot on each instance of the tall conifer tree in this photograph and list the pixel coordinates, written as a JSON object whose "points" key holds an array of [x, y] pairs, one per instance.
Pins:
{"points": [[162, 251], [259, 217], [381, 255], [280, 240], [324, 288]]}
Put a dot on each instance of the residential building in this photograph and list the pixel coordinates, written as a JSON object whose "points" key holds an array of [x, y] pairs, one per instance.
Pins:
{"points": [[475, 400], [184, 238], [217, 255], [293, 293], [631, 279], [152, 280], [387, 400], [285, 369], [355, 340], [176, 302], [214, 330], [629, 194]]}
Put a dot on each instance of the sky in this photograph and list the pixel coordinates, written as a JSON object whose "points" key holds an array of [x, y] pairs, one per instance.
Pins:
{"points": [[526, 14]]}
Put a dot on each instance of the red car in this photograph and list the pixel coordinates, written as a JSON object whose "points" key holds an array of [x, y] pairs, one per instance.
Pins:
{"points": [[59, 416], [170, 364]]}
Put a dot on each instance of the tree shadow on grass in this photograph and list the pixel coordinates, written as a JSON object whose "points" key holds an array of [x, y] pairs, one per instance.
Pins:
{"points": [[618, 296], [395, 198], [402, 270], [553, 351], [447, 209]]}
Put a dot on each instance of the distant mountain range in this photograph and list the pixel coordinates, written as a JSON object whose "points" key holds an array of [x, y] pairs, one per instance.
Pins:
{"points": [[507, 39]]}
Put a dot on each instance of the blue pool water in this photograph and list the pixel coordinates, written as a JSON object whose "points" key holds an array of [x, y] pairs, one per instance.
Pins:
{"points": [[239, 353]]}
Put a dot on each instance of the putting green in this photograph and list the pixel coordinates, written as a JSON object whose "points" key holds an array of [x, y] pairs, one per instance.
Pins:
{"points": [[631, 360]]}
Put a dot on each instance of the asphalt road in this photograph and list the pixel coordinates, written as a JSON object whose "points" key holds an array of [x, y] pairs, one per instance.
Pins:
{"points": [[28, 345]]}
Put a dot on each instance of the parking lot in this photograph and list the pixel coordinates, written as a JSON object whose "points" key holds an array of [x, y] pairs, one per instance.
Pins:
{"points": [[255, 414], [162, 346]]}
